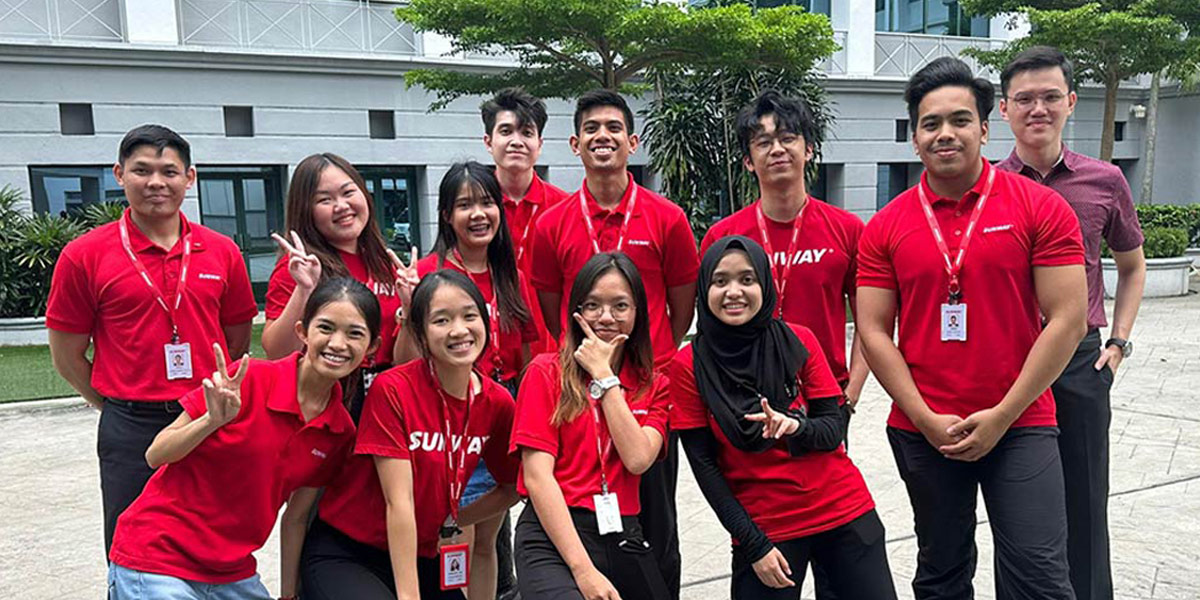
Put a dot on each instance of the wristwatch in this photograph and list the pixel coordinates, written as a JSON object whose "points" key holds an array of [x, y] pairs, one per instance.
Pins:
{"points": [[597, 387], [1126, 346]]}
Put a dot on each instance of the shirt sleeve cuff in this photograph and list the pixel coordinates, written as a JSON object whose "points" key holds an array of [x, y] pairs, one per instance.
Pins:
{"points": [[533, 443], [385, 451]]}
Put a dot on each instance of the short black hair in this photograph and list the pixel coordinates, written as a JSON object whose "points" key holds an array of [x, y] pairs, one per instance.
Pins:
{"points": [[791, 114], [528, 108], [1035, 58], [940, 73], [598, 98], [154, 135]]}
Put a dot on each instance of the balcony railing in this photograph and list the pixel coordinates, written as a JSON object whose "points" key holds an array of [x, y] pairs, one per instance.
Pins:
{"points": [[61, 20], [836, 64], [902, 54], [308, 26]]}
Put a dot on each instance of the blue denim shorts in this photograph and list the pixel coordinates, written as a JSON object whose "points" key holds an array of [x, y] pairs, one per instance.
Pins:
{"points": [[127, 584], [480, 483]]}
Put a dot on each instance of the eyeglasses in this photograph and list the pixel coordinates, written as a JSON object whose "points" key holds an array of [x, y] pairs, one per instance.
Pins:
{"points": [[1028, 101], [593, 310], [766, 142]]}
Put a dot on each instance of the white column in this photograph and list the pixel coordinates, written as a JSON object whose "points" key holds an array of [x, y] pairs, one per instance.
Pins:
{"points": [[860, 39], [151, 21]]}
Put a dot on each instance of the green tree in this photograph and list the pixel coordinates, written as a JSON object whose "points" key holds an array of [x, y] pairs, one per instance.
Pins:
{"points": [[565, 47], [1109, 41]]}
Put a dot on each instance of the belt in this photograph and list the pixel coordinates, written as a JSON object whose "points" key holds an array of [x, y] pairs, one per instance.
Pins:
{"points": [[167, 406]]}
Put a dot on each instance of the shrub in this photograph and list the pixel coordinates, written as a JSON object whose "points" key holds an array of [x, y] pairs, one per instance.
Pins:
{"points": [[1181, 216], [1165, 242], [29, 247]]}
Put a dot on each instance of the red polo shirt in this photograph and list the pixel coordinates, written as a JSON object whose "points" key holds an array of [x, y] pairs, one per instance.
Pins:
{"points": [[522, 215], [788, 497], [202, 517], [96, 290], [659, 241], [1024, 225], [511, 340], [573, 444], [822, 268], [281, 286], [403, 418]]}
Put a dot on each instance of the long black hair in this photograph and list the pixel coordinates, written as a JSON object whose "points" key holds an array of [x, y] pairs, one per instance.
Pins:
{"points": [[335, 289], [422, 299], [501, 259], [574, 398]]}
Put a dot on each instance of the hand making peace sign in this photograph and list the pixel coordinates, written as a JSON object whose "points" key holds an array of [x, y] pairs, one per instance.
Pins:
{"points": [[304, 267], [222, 391], [594, 354], [775, 423], [406, 276]]}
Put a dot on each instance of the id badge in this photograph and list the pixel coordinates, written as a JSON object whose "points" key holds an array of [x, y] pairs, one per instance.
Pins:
{"points": [[954, 322], [179, 361], [454, 564], [608, 513]]}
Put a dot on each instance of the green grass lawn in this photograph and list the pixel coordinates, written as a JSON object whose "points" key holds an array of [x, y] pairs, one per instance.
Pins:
{"points": [[28, 374]]}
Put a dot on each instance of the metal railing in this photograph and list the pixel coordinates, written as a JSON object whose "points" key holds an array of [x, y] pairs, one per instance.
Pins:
{"points": [[309, 26], [836, 64], [61, 20], [902, 54]]}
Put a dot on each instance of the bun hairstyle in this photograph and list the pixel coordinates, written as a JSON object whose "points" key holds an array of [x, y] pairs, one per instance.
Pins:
{"points": [[637, 349], [417, 315]]}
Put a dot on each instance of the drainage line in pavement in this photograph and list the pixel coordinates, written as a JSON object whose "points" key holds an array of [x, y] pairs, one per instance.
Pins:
{"points": [[1154, 414], [912, 536]]}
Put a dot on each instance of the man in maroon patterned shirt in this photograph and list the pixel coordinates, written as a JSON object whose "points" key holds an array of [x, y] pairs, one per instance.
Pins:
{"points": [[1038, 97]]}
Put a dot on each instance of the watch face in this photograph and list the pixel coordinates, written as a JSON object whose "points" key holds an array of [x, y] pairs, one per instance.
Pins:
{"points": [[1127, 350], [595, 391]]}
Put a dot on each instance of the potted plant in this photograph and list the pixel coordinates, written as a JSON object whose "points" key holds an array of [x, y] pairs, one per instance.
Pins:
{"points": [[1167, 268]]}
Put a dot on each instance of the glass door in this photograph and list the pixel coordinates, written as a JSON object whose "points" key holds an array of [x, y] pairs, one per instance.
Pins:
{"points": [[246, 204], [394, 190]]}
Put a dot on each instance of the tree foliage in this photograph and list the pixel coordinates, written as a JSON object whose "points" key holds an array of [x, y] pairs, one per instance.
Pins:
{"points": [[565, 47]]}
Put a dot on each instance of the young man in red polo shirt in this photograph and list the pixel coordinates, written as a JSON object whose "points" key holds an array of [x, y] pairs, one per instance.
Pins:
{"points": [[1037, 97], [813, 246], [983, 272], [151, 293], [612, 213]]}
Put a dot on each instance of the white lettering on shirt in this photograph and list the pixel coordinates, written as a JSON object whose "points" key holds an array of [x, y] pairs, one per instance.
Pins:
{"points": [[640, 411], [208, 276], [639, 242], [811, 256], [995, 228], [318, 453], [433, 441]]}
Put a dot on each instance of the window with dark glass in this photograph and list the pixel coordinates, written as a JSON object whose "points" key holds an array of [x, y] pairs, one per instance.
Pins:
{"points": [[246, 204], [934, 17], [76, 119], [239, 121], [1119, 131], [64, 190], [383, 124], [394, 189], [891, 179]]}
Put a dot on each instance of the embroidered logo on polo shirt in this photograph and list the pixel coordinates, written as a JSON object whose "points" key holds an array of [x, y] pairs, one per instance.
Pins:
{"points": [[640, 411], [208, 276], [639, 242], [318, 453], [996, 228]]}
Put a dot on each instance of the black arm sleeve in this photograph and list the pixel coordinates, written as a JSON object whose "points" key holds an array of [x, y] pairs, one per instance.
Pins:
{"points": [[822, 430], [701, 448]]}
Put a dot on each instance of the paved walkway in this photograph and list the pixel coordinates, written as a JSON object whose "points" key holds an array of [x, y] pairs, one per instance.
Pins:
{"points": [[51, 540]]}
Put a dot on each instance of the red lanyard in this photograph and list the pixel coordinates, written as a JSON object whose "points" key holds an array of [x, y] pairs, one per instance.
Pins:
{"points": [[493, 306], [787, 263], [601, 449], [525, 235], [458, 480], [158, 295], [953, 268], [587, 218]]}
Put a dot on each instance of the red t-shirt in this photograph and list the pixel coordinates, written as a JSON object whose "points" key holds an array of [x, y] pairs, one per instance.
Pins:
{"points": [[96, 290], [1024, 225], [573, 444], [403, 418], [202, 517], [510, 340], [281, 286], [788, 497], [659, 241], [822, 268]]}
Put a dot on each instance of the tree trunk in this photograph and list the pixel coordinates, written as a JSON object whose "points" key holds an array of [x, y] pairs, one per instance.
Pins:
{"points": [[1147, 194], [1111, 84]]}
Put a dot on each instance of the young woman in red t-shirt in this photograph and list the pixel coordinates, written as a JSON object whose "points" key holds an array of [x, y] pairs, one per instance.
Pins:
{"points": [[590, 420], [384, 520], [333, 232], [273, 432], [758, 410]]}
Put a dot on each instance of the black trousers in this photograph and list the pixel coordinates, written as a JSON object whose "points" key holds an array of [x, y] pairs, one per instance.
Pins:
{"points": [[1022, 487], [1084, 415], [659, 518], [622, 557], [334, 566], [853, 558], [125, 432]]}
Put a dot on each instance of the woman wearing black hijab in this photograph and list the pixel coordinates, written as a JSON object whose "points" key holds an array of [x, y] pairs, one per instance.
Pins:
{"points": [[757, 409]]}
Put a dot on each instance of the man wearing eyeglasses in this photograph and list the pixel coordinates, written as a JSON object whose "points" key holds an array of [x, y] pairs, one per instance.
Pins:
{"points": [[1038, 97]]}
